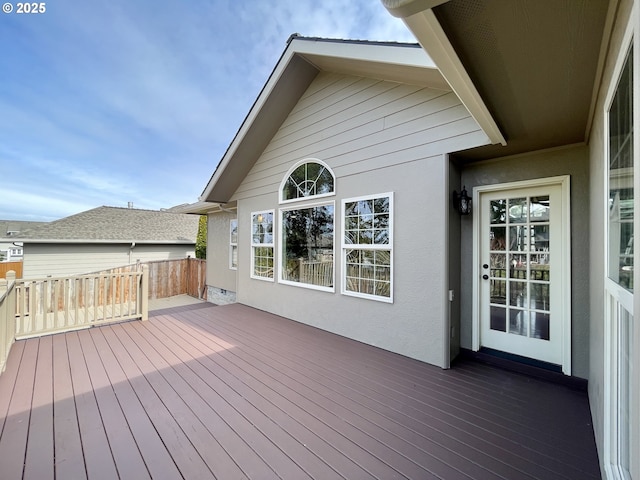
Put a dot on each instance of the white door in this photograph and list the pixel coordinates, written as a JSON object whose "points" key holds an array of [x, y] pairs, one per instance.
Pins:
{"points": [[522, 268]]}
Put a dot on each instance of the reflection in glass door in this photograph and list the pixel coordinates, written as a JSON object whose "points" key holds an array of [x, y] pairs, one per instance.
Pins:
{"points": [[523, 265], [520, 262]]}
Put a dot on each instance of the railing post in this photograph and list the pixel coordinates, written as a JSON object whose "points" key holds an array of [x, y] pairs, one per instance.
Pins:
{"points": [[144, 294], [7, 316]]}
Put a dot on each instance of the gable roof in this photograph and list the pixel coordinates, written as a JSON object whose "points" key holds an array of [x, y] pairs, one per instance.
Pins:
{"points": [[302, 60], [536, 64], [117, 225]]}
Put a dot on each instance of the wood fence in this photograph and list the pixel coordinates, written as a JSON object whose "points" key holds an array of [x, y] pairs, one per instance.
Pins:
{"points": [[168, 278], [8, 266]]}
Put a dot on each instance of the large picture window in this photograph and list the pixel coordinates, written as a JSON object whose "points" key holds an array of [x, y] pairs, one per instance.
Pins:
{"points": [[367, 247], [307, 246], [262, 245]]}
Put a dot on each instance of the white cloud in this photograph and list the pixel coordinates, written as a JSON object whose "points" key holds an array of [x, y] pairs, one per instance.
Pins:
{"points": [[110, 102]]}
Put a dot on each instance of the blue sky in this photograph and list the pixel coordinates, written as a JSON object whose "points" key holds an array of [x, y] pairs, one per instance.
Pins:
{"points": [[104, 103]]}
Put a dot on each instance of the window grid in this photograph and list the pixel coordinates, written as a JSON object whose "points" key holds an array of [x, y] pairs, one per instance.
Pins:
{"points": [[262, 245], [368, 247]]}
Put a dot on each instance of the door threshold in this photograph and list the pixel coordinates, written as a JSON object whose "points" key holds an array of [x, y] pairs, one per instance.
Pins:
{"points": [[526, 366]]}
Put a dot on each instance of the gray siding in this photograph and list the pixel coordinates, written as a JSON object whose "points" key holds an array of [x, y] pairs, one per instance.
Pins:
{"points": [[571, 161], [377, 137], [41, 260]]}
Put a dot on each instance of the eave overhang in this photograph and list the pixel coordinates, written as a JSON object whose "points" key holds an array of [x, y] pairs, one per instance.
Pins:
{"points": [[422, 22]]}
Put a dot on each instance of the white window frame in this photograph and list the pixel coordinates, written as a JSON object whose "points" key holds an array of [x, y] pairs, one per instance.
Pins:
{"points": [[301, 199], [621, 305], [301, 206], [272, 245], [350, 246], [233, 245]]}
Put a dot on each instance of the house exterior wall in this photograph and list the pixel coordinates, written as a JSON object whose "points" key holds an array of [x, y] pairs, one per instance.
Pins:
{"points": [[377, 137], [41, 260], [597, 166], [221, 280], [570, 160]]}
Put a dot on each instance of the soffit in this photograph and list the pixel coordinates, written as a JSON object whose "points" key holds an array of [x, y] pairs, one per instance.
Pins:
{"points": [[534, 63]]}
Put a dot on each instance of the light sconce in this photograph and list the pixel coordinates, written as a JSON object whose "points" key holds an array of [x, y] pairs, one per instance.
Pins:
{"points": [[462, 201]]}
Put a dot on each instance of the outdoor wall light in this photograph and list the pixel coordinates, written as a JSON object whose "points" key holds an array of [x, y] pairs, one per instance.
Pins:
{"points": [[462, 201]]}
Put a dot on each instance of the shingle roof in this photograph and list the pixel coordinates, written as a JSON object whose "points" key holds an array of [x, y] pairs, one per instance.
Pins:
{"points": [[116, 225], [8, 228]]}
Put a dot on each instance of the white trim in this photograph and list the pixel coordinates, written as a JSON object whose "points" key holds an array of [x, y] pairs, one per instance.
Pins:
{"points": [[616, 296], [311, 197], [300, 206], [565, 183], [344, 246], [426, 28], [272, 245]]}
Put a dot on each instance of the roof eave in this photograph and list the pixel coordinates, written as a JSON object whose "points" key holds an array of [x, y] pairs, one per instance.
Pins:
{"points": [[425, 27]]}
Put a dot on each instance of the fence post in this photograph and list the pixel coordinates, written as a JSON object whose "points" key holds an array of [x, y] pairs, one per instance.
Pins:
{"points": [[144, 301]]}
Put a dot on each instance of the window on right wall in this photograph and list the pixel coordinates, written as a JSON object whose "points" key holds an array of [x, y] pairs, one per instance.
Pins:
{"points": [[367, 247]]}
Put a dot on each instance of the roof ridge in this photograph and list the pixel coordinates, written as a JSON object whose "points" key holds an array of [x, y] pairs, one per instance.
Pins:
{"points": [[297, 36]]}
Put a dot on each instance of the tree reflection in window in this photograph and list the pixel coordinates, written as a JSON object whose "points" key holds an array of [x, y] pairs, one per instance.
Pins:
{"points": [[367, 245], [307, 245], [309, 179]]}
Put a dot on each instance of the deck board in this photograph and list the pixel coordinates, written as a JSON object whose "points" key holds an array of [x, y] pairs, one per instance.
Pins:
{"points": [[232, 392]]}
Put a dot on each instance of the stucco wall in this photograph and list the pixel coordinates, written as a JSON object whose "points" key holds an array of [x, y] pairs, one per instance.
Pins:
{"points": [[573, 161], [377, 137], [41, 260], [219, 275]]}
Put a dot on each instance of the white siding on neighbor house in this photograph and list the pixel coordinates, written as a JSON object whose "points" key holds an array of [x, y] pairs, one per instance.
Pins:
{"points": [[377, 137], [41, 260]]}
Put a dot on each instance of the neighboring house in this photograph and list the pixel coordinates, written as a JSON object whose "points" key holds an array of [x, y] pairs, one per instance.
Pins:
{"points": [[104, 238], [9, 230], [333, 204]]}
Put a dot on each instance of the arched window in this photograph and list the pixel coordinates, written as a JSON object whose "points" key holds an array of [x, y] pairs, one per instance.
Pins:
{"points": [[306, 238], [309, 178]]}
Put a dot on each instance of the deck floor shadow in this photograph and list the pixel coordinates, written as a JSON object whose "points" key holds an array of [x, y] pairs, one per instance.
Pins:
{"points": [[232, 392]]}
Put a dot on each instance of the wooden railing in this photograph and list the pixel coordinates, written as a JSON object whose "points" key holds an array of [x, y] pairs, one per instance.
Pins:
{"points": [[7, 317], [50, 305]]}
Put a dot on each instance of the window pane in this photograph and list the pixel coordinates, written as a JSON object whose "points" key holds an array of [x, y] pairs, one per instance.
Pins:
{"points": [[234, 231], [263, 262], [307, 245], [262, 228], [517, 210], [621, 194], [308, 180]]}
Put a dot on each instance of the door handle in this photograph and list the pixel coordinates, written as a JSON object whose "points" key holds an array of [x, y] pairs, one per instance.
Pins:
{"points": [[485, 277], [485, 266]]}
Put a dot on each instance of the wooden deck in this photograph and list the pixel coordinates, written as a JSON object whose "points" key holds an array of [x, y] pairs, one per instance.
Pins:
{"points": [[230, 392]]}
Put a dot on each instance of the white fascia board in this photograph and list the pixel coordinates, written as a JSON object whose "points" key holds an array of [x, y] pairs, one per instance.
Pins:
{"points": [[248, 121], [426, 28], [409, 55]]}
